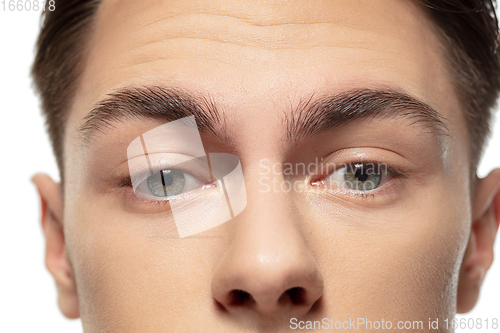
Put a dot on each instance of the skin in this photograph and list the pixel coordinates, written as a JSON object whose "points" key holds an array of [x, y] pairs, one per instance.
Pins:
{"points": [[418, 249]]}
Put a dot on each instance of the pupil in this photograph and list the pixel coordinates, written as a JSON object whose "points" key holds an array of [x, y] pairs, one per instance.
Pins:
{"points": [[360, 176], [166, 179]]}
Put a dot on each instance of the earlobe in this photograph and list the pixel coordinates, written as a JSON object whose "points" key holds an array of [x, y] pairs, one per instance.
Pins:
{"points": [[479, 253], [56, 259]]}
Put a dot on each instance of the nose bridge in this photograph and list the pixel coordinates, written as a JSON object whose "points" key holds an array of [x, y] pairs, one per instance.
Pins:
{"points": [[268, 267], [271, 222], [268, 202]]}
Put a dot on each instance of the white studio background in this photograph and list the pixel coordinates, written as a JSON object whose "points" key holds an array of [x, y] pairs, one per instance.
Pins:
{"points": [[27, 291]]}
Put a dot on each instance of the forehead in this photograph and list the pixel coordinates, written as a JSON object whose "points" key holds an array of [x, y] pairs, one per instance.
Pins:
{"points": [[261, 53]]}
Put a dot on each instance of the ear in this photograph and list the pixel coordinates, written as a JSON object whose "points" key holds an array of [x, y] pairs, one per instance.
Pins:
{"points": [[479, 253], [56, 258]]}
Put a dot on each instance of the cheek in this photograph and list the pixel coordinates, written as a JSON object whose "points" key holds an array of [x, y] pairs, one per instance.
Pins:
{"points": [[419, 266], [401, 262], [127, 267]]}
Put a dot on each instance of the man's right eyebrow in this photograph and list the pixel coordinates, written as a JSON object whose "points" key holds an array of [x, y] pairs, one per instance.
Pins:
{"points": [[155, 103]]}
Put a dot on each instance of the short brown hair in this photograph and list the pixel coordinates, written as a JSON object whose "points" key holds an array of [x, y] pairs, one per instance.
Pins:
{"points": [[468, 29]]}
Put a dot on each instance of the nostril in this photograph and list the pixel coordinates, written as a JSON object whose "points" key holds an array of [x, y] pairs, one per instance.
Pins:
{"points": [[297, 295], [239, 297]]}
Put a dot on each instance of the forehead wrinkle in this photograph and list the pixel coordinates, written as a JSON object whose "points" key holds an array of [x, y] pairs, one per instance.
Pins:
{"points": [[148, 62], [239, 18], [182, 40], [295, 36], [190, 36], [310, 29], [278, 44], [193, 45], [185, 22], [263, 13], [211, 58]]}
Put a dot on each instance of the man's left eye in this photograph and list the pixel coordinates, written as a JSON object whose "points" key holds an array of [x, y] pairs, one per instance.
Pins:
{"points": [[357, 176]]}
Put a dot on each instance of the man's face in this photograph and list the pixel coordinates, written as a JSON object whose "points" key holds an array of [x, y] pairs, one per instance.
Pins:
{"points": [[320, 252]]}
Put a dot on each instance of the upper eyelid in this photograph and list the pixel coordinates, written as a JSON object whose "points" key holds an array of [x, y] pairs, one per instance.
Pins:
{"points": [[392, 171], [158, 163], [140, 177], [172, 198], [328, 171]]}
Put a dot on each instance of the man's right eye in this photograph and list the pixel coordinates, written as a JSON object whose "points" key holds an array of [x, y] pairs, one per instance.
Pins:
{"points": [[166, 183]]}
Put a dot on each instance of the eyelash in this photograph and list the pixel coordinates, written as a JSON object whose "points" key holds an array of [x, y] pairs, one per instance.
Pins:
{"points": [[127, 182], [394, 173]]}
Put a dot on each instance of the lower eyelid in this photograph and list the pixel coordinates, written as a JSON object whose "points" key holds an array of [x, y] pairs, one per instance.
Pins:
{"points": [[130, 201], [383, 190], [372, 192], [153, 204]]}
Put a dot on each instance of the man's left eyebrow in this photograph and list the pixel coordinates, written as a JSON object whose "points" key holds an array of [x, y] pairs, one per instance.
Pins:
{"points": [[316, 115]]}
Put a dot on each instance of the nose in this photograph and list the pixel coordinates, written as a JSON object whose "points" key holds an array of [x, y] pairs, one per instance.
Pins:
{"points": [[268, 269]]}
